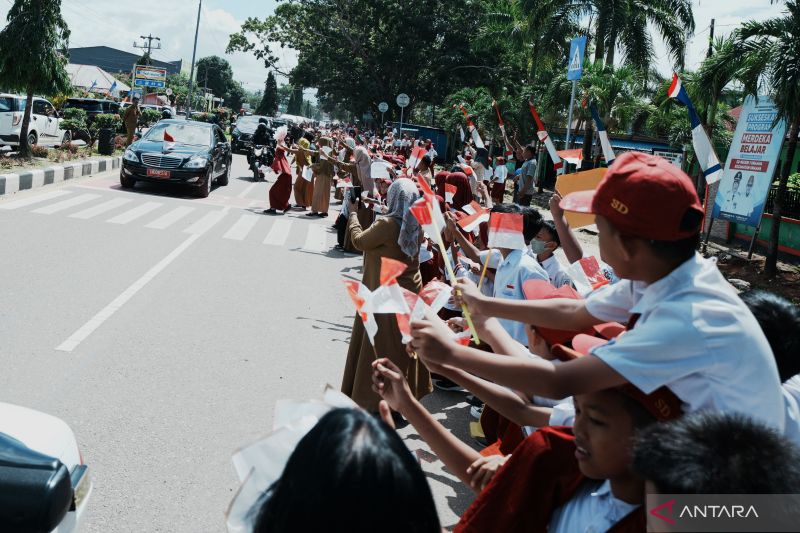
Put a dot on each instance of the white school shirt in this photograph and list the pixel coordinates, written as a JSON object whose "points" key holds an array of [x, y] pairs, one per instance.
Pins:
{"points": [[791, 398], [592, 509], [513, 272], [695, 336], [500, 174], [555, 270]]}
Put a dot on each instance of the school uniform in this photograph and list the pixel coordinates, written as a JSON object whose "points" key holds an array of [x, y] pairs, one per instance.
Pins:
{"points": [[695, 336], [791, 398], [555, 271], [515, 269]]}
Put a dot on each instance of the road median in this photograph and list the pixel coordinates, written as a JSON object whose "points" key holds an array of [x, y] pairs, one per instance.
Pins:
{"points": [[22, 180]]}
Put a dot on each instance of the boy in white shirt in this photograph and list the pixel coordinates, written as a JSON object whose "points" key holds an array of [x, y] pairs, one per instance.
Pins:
{"points": [[542, 248], [692, 333]]}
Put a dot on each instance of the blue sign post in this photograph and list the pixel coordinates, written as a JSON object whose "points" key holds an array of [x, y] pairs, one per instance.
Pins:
{"points": [[574, 72]]}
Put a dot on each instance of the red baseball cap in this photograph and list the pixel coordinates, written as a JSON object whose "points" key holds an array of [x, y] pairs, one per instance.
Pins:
{"points": [[538, 289], [642, 196]]}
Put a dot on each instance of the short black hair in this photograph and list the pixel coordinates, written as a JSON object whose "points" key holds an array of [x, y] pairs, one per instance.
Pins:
{"points": [[426, 159], [349, 473], [715, 453], [550, 226], [780, 321], [532, 219]]}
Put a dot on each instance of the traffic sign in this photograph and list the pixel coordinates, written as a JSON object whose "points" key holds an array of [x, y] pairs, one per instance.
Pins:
{"points": [[147, 76], [575, 65], [169, 92], [383, 107], [403, 100]]}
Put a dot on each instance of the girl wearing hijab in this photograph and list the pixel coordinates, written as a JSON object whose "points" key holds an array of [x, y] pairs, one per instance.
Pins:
{"points": [[323, 176], [281, 190], [396, 235], [463, 194], [303, 189]]}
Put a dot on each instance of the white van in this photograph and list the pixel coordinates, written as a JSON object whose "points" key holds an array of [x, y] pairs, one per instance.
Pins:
{"points": [[44, 127]]}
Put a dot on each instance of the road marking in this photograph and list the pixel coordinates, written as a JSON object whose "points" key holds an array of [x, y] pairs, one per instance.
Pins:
{"points": [[316, 238], [165, 221], [136, 212], [100, 209], [108, 311], [242, 227], [66, 204], [278, 233], [247, 190], [206, 223], [16, 204]]}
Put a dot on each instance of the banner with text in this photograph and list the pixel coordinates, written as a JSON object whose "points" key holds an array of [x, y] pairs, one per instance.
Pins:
{"points": [[751, 163]]}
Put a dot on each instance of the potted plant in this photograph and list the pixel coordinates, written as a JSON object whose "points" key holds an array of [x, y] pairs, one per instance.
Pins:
{"points": [[106, 126]]}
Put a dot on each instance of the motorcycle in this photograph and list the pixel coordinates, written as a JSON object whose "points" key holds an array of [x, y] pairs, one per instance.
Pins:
{"points": [[258, 157]]}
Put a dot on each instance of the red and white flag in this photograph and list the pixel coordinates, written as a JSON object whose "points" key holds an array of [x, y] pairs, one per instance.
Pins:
{"points": [[588, 275], [545, 138], [388, 298], [473, 131], [427, 211], [470, 223], [449, 192], [360, 294], [416, 156], [501, 124], [472, 208], [433, 296], [505, 231]]}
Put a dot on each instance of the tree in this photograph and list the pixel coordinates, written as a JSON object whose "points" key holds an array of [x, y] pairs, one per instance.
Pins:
{"points": [[269, 101], [295, 105], [235, 96], [33, 56], [216, 74], [145, 59], [770, 56]]}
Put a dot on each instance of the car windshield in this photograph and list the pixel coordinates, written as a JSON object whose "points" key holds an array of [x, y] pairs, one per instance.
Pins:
{"points": [[86, 105], [181, 133], [247, 124]]}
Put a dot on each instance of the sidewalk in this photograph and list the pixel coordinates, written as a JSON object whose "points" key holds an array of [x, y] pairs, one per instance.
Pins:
{"points": [[22, 180]]}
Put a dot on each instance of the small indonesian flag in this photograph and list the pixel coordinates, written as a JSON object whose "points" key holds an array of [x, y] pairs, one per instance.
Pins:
{"points": [[545, 138], [587, 275], [344, 183], [168, 138], [463, 338], [472, 208], [473, 131], [505, 231], [427, 212], [449, 192], [416, 156], [433, 297], [360, 294], [471, 222], [499, 116], [436, 294], [388, 298], [706, 156], [605, 143]]}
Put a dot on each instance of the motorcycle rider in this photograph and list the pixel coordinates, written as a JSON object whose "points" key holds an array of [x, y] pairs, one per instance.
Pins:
{"points": [[261, 139]]}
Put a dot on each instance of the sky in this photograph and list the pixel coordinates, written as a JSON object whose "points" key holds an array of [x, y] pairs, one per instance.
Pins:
{"points": [[118, 25]]}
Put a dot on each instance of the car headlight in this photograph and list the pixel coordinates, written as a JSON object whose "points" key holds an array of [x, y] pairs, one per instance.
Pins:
{"points": [[196, 162], [130, 155]]}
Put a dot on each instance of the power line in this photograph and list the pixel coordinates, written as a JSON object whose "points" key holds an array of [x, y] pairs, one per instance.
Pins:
{"points": [[149, 38]]}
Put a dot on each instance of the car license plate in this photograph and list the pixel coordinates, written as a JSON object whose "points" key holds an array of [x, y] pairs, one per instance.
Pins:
{"points": [[158, 173]]}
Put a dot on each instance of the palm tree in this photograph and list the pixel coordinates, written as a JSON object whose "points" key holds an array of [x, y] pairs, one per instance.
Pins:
{"points": [[769, 52]]}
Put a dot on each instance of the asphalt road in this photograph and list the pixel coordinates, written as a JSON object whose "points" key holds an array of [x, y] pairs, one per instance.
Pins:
{"points": [[163, 328]]}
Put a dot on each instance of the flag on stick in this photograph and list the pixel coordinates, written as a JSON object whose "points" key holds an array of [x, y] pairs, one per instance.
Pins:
{"points": [[505, 231], [502, 125], [473, 131], [388, 298], [471, 222], [608, 152], [360, 294], [545, 138], [706, 156], [449, 192]]}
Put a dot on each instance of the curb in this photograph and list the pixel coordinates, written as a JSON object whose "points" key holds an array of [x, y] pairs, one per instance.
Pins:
{"points": [[32, 179]]}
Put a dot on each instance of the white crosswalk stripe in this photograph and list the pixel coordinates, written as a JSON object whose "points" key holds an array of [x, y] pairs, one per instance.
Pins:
{"points": [[170, 218], [278, 233], [242, 227], [105, 207], [316, 238], [205, 223], [41, 198], [136, 212], [66, 204]]}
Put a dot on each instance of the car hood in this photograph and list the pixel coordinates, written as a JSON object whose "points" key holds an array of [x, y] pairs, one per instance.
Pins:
{"points": [[183, 150], [41, 432]]}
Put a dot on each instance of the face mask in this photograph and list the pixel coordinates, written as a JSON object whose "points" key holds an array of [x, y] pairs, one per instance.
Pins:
{"points": [[538, 247]]}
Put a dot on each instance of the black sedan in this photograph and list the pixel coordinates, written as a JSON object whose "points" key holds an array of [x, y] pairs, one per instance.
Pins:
{"points": [[242, 134], [180, 152]]}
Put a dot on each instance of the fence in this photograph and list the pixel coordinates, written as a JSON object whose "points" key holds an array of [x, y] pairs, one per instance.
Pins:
{"points": [[791, 203]]}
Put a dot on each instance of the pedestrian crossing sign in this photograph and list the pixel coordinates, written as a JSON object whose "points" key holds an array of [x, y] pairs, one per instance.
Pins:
{"points": [[575, 66]]}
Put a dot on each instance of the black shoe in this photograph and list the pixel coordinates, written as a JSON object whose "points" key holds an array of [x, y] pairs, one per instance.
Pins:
{"points": [[311, 215], [270, 211]]}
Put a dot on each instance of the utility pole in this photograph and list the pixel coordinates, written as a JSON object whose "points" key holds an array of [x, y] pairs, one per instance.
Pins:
{"points": [[711, 39], [149, 46], [194, 54]]}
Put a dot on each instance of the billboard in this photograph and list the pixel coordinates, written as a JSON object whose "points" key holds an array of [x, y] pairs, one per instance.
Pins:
{"points": [[751, 163], [147, 76]]}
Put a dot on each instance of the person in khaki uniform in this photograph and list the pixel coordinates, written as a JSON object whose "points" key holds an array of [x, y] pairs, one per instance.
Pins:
{"points": [[131, 119], [396, 236]]}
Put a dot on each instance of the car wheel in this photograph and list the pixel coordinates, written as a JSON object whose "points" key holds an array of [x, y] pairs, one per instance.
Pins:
{"points": [[127, 182], [32, 138], [223, 180], [205, 189], [67, 138]]}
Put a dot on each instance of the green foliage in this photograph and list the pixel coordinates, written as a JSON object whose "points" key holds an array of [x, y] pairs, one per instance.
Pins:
{"points": [[203, 117], [216, 73], [74, 119], [33, 53], [269, 101], [295, 105], [150, 116], [107, 120], [145, 59]]}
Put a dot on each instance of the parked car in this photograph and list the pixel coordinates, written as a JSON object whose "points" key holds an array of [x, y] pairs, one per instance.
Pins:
{"points": [[93, 107], [179, 152], [44, 483], [44, 127], [243, 130]]}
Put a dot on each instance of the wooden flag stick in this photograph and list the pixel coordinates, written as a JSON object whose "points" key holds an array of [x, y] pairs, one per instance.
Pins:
{"points": [[485, 265]]}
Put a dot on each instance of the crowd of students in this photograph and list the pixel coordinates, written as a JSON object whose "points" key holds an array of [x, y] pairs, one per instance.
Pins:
{"points": [[656, 378]]}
